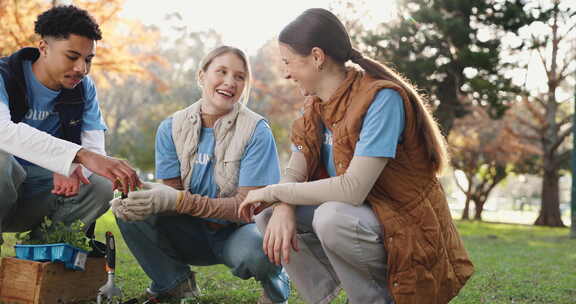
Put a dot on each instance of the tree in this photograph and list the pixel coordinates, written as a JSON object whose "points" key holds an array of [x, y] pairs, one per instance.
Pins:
{"points": [[486, 152], [548, 30], [449, 49], [120, 54]]}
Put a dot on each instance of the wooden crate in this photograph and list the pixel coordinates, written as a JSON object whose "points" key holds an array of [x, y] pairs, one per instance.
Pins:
{"points": [[30, 282]]}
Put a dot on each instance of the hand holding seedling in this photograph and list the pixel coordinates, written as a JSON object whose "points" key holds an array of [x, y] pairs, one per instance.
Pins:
{"points": [[154, 198]]}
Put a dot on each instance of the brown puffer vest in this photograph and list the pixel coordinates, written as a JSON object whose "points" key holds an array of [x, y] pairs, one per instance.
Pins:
{"points": [[427, 261]]}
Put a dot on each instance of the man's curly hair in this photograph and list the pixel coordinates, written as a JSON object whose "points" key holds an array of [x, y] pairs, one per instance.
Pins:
{"points": [[61, 21]]}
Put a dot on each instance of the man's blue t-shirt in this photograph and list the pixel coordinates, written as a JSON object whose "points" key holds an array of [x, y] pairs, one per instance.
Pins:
{"points": [[41, 114], [381, 130], [259, 166]]}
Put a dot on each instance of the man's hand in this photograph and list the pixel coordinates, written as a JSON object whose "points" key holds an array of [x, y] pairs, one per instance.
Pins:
{"points": [[69, 186], [153, 199], [280, 235], [118, 171]]}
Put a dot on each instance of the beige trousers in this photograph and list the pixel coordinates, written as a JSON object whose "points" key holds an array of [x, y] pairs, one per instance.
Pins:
{"points": [[340, 247]]}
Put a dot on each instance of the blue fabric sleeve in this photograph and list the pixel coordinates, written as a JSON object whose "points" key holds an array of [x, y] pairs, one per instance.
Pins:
{"points": [[259, 165], [3, 93], [167, 163], [92, 119], [383, 126]]}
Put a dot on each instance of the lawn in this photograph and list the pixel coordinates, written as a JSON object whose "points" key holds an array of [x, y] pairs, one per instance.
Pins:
{"points": [[514, 264]]}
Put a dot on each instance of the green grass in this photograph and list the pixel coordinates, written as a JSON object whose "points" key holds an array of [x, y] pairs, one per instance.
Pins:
{"points": [[514, 264], [519, 264]]}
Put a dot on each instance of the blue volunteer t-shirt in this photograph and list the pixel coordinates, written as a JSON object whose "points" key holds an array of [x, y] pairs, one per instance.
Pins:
{"points": [[259, 166], [381, 130], [41, 114]]}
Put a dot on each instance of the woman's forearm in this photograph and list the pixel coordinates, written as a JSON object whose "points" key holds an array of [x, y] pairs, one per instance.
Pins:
{"points": [[351, 187], [225, 208]]}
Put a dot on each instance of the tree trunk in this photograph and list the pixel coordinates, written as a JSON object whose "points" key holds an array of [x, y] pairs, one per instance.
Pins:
{"points": [[466, 211], [479, 204], [478, 212], [483, 190], [550, 209]]}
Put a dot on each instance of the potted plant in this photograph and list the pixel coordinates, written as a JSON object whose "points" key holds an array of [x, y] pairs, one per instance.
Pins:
{"points": [[57, 243]]}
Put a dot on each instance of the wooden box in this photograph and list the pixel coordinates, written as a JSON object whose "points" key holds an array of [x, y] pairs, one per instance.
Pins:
{"points": [[30, 282]]}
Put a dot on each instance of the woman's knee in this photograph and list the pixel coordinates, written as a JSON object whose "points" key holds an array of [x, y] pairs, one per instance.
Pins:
{"points": [[263, 218], [244, 244], [124, 226], [331, 223], [244, 254]]}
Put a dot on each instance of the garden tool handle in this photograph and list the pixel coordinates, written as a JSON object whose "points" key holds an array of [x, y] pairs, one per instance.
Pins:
{"points": [[110, 252]]}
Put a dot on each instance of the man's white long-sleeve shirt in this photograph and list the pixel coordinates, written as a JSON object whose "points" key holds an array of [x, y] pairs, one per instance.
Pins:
{"points": [[41, 148]]}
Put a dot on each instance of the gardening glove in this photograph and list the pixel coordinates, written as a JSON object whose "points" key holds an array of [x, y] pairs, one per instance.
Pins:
{"points": [[120, 211], [155, 198]]}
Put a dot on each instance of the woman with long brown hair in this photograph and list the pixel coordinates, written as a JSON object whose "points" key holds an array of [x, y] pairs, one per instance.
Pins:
{"points": [[360, 202]]}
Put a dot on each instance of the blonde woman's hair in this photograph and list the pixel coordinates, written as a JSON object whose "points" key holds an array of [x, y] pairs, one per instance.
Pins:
{"points": [[225, 49]]}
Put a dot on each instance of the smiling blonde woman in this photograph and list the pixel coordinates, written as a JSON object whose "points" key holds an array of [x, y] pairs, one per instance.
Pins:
{"points": [[208, 156]]}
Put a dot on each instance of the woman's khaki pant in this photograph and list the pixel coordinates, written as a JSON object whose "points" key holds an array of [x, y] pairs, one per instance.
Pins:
{"points": [[340, 245]]}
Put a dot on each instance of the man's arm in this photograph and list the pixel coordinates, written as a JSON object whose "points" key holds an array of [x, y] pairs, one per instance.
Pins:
{"points": [[36, 146], [93, 140], [58, 155]]}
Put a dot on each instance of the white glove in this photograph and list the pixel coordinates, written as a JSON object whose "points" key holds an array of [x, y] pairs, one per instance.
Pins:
{"points": [[153, 199], [117, 206]]}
